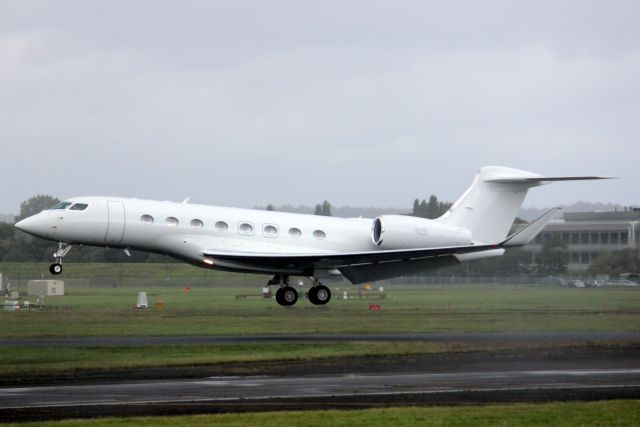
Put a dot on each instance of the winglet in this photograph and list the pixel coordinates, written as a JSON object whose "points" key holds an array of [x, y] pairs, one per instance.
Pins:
{"points": [[528, 233]]}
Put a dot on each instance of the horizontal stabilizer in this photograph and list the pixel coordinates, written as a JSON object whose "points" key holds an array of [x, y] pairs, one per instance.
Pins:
{"points": [[513, 180], [528, 233]]}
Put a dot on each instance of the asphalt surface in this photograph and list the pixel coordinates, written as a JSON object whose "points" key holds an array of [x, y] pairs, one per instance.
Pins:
{"points": [[251, 388], [221, 339], [603, 371]]}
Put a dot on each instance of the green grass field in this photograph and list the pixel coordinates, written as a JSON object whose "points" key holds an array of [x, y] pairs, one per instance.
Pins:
{"points": [[30, 362], [217, 311], [606, 413]]}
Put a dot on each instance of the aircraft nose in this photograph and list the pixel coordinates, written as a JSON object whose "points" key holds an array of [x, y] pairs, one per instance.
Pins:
{"points": [[24, 224], [32, 225]]}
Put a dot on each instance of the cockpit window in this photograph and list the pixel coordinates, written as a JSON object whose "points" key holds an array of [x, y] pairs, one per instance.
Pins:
{"points": [[62, 205], [78, 207]]}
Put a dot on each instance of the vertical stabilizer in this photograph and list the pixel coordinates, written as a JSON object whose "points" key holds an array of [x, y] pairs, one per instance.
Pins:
{"points": [[489, 207]]}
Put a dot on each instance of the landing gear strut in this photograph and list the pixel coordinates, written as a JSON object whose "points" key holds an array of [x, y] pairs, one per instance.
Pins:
{"points": [[63, 249]]}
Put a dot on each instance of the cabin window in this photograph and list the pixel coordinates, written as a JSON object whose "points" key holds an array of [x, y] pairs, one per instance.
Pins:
{"points": [[319, 234], [270, 230], [79, 207], [172, 221], [295, 232], [245, 228], [62, 205], [146, 219], [221, 226], [196, 223]]}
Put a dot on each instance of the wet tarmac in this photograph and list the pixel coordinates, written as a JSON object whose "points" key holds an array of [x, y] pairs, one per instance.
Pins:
{"points": [[581, 373]]}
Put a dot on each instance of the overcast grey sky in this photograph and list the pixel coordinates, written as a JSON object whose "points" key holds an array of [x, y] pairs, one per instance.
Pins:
{"points": [[366, 103]]}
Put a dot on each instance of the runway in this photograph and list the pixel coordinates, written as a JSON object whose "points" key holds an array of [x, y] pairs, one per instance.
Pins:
{"points": [[310, 338], [259, 388], [528, 376]]}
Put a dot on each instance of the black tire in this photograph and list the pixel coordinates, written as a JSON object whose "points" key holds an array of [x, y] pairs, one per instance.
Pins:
{"points": [[312, 295], [55, 268], [323, 294], [289, 296], [279, 297]]}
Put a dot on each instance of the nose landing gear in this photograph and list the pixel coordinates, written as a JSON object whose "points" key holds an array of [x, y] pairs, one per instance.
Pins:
{"points": [[63, 249]]}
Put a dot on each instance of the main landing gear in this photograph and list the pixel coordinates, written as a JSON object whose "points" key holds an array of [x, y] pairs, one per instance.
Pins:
{"points": [[286, 295], [319, 294], [63, 249]]}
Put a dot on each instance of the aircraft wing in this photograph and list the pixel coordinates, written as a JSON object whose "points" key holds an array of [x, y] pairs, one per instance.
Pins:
{"points": [[337, 260]]}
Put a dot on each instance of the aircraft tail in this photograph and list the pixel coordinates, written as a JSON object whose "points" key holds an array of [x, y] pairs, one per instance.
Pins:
{"points": [[489, 207]]}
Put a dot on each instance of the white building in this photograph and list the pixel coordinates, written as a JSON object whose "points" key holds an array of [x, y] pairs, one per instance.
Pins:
{"points": [[45, 287], [588, 234]]}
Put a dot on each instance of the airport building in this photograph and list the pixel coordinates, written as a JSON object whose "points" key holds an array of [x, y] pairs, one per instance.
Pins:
{"points": [[45, 287], [588, 234]]}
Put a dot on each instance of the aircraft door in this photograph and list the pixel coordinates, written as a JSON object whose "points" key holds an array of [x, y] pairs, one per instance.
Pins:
{"points": [[115, 227]]}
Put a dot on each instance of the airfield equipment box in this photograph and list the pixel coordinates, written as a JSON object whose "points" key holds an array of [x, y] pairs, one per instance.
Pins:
{"points": [[47, 288]]}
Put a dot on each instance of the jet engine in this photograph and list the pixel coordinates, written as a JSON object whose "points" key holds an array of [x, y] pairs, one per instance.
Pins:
{"points": [[408, 232]]}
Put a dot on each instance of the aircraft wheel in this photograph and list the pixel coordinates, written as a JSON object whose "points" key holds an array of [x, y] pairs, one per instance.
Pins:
{"points": [[55, 268], [312, 295], [286, 296], [323, 294]]}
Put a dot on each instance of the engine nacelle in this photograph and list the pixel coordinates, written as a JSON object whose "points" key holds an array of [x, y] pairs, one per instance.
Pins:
{"points": [[408, 232]]}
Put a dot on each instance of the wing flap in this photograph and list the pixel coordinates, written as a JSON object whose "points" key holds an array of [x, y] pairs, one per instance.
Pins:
{"points": [[386, 270]]}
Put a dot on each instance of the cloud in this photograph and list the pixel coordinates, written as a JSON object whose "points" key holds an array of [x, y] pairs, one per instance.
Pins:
{"points": [[298, 111]]}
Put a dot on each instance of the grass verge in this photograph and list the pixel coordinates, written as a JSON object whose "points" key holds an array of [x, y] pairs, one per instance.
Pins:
{"points": [[603, 413], [21, 362], [87, 311]]}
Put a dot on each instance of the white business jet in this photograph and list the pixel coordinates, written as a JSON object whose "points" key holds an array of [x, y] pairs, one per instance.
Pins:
{"points": [[285, 244]]}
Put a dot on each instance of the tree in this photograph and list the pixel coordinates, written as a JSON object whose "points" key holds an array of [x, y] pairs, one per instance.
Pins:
{"points": [[323, 209], [431, 209], [6, 239], [36, 204], [326, 208], [270, 207], [613, 263], [422, 208], [553, 257]]}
